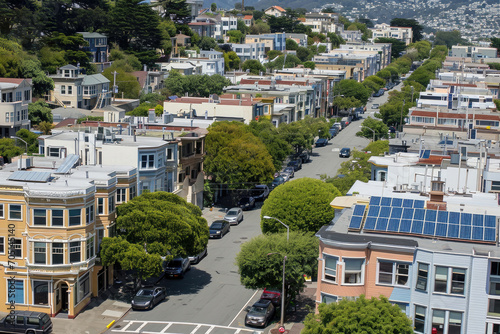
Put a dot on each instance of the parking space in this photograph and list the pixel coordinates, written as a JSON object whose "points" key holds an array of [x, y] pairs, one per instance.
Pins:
{"points": [[165, 327]]}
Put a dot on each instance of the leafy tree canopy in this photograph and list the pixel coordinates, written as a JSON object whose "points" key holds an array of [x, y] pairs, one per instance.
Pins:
{"points": [[413, 24], [8, 149], [375, 315], [449, 38], [352, 88], [397, 46], [253, 65], [302, 204], [30, 138], [259, 27], [152, 226], [195, 85], [231, 61], [39, 111], [277, 147], [372, 128]]}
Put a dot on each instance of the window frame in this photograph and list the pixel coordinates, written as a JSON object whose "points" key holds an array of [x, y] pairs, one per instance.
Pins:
{"points": [[70, 224], [83, 282], [35, 216], [35, 252], [90, 248], [74, 246], [111, 204], [33, 282], [2, 245], [17, 247], [361, 272], [326, 276], [8, 300], [450, 280], [101, 206], [89, 214], [52, 216], [121, 195], [419, 277], [328, 295], [419, 320], [52, 253], [20, 212]]}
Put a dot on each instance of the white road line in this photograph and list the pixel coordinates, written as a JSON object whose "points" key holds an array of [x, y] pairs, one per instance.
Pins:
{"points": [[210, 329], [164, 330], [138, 330], [196, 328], [237, 314], [126, 327], [238, 331], [181, 323]]}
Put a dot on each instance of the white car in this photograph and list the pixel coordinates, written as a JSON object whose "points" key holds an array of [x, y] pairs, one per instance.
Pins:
{"points": [[285, 176], [375, 106], [234, 216]]}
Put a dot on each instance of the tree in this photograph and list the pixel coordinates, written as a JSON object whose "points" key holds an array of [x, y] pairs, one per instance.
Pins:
{"points": [[297, 135], [235, 156], [30, 138], [375, 315], [153, 226], [423, 48], [413, 24], [260, 27], [241, 26], [302, 204], [207, 43], [126, 82], [304, 54], [495, 43], [8, 149], [231, 61], [352, 88], [449, 38], [235, 36], [346, 102], [38, 112], [372, 128], [260, 261], [310, 64], [335, 39], [253, 65], [32, 68], [45, 127], [397, 46], [291, 44], [213, 7]]}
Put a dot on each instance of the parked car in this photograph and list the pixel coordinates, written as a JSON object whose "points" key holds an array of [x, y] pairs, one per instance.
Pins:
{"points": [[304, 156], [321, 142], [247, 203], [234, 216], [177, 267], [260, 314], [392, 129], [338, 125], [285, 176], [194, 259], [26, 322], [333, 131], [277, 181], [147, 298], [272, 294], [345, 152], [290, 171], [219, 228], [260, 192], [375, 106], [296, 164]]}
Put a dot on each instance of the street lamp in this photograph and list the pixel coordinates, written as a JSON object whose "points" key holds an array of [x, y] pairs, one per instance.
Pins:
{"points": [[282, 290], [25, 143], [401, 123], [287, 228], [364, 126]]}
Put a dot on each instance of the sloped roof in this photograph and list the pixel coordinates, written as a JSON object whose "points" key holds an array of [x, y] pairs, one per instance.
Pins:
{"points": [[94, 79], [277, 8], [91, 34], [247, 17]]}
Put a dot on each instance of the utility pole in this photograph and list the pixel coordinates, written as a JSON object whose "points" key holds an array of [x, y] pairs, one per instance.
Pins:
{"points": [[114, 84], [401, 123]]}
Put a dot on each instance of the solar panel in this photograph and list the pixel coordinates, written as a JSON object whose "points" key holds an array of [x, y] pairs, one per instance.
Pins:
{"points": [[355, 223], [465, 232], [67, 164], [359, 210], [407, 203], [405, 226], [425, 154], [370, 223], [466, 218], [397, 213], [441, 229], [489, 234], [454, 218], [478, 220], [374, 200], [394, 224], [386, 201], [490, 221], [429, 228], [382, 224], [442, 217], [430, 215], [419, 204], [408, 213], [417, 226], [477, 232], [397, 202], [453, 230], [419, 214], [22, 175], [373, 211], [385, 211]]}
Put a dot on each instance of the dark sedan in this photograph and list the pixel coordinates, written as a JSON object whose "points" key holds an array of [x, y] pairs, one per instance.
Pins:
{"points": [[321, 142], [147, 298], [219, 228], [260, 314], [247, 203]]}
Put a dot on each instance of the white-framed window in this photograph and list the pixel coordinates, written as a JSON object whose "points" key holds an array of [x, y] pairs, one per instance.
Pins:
{"points": [[57, 217], [121, 194], [70, 90], [90, 248], [100, 236], [330, 267], [16, 248], [18, 296], [147, 161], [111, 204], [57, 253], [422, 276], [133, 191], [393, 273], [419, 319], [40, 217], [328, 299], [89, 214], [63, 89], [449, 322], [2, 211], [40, 292], [75, 218], [353, 270], [449, 280], [2, 245], [83, 287], [15, 212], [40, 252], [75, 251], [100, 206]]}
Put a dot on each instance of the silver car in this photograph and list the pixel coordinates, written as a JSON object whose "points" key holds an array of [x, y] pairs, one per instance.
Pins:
{"points": [[285, 176], [234, 216]]}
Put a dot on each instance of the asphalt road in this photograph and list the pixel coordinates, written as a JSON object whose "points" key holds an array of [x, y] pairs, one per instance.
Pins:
{"points": [[210, 299]]}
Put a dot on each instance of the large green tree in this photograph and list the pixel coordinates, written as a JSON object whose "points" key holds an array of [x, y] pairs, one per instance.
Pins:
{"points": [[372, 128], [449, 38], [30, 138], [416, 27], [8, 149], [253, 66], [196, 85], [236, 157], [151, 227], [260, 261], [39, 111], [302, 204], [352, 88], [375, 315], [397, 46]]}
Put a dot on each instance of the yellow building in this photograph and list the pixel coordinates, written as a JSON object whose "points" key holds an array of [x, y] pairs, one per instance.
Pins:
{"points": [[54, 217]]}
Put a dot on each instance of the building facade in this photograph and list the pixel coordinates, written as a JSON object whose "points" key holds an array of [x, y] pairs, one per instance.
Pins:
{"points": [[15, 95]]}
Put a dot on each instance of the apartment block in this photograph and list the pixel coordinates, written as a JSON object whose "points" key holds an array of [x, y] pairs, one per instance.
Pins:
{"points": [[249, 51], [15, 97], [474, 52], [383, 30], [276, 41]]}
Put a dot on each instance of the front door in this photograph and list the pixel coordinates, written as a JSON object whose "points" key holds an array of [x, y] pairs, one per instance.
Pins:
{"points": [[64, 298]]}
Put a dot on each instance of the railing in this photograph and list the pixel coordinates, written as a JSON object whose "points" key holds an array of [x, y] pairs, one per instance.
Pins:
{"points": [[61, 268]]}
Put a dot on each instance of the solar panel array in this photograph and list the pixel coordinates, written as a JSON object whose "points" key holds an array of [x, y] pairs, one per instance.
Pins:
{"points": [[408, 216], [67, 164], [21, 175]]}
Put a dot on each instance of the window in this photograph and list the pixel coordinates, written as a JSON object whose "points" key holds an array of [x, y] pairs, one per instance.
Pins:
{"points": [[70, 90], [121, 195], [330, 270], [100, 206], [494, 278], [40, 251], [74, 217], [1, 211], [57, 217], [89, 214], [169, 154], [18, 296], [133, 191], [19, 96], [438, 320], [90, 248], [40, 294], [40, 217], [83, 287], [63, 89], [100, 236], [353, 271], [442, 283], [455, 323], [2, 245], [74, 251], [15, 212], [54, 152], [328, 299], [27, 94], [17, 248], [111, 204], [419, 322], [147, 161], [57, 253], [422, 276]]}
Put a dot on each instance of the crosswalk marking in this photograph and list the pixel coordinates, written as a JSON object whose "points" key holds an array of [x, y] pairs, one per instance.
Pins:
{"points": [[168, 324]]}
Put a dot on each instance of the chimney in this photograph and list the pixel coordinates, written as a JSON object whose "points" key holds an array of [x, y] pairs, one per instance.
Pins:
{"points": [[436, 200]]}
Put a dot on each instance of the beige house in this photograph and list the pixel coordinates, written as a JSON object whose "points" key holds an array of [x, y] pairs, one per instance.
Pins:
{"points": [[275, 11], [15, 96], [383, 30]]}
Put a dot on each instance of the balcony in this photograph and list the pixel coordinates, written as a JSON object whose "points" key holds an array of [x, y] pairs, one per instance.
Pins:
{"points": [[57, 269]]}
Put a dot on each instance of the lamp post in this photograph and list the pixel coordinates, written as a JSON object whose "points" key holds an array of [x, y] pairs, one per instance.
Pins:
{"points": [[282, 320], [24, 141], [401, 123], [287, 228], [364, 126]]}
